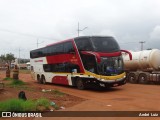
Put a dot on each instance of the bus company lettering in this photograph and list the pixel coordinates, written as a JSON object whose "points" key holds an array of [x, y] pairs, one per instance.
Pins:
{"points": [[74, 60], [38, 61]]}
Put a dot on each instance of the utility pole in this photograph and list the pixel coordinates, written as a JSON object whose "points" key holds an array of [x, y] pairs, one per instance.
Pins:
{"points": [[39, 43], [19, 55], [142, 42], [80, 29]]}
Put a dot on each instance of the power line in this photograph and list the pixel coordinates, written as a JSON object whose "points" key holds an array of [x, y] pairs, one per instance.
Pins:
{"points": [[25, 34], [128, 43]]}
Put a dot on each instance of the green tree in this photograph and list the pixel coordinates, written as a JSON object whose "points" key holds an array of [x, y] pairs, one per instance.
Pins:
{"points": [[3, 58], [10, 57], [7, 58]]}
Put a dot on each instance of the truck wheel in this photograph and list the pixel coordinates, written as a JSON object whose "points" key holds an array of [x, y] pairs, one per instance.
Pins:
{"points": [[142, 79], [132, 78], [80, 84]]}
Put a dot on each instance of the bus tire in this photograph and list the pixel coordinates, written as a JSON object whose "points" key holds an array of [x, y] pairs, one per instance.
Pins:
{"points": [[38, 79], [43, 80], [80, 84]]}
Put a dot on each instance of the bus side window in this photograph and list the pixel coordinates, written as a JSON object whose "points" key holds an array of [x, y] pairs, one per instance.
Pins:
{"points": [[58, 49], [47, 67], [61, 67]]}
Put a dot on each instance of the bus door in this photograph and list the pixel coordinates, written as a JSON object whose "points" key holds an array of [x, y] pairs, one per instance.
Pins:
{"points": [[89, 62]]}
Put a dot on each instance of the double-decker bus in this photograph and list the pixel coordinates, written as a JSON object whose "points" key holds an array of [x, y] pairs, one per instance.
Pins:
{"points": [[81, 62]]}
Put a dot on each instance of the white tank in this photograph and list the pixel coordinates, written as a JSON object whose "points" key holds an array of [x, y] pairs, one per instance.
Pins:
{"points": [[143, 60]]}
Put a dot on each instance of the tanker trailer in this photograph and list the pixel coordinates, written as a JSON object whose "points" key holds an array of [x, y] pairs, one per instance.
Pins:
{"points": [[144, 66]]}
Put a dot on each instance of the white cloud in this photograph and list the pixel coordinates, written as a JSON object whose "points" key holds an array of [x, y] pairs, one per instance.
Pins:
{"points": [[107, 33], [126, 20], [155, 34]]}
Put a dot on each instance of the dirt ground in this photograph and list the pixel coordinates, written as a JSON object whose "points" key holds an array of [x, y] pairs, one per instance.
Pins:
{"points": [[129, 97], [34, 91]]}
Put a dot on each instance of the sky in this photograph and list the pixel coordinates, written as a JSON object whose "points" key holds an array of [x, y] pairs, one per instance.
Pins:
{"points": [[24, 23]]}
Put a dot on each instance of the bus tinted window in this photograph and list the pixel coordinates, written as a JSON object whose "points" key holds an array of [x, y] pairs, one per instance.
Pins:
{"points": [[61, 67], [61, 48], [57, 49], [98, 44], [36, 53], [84, 44], [105, 44], [68, 47]]}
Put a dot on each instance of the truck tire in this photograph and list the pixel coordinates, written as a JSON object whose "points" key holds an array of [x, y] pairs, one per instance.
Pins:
{"points": [[80, 84], [132, 78], [142, 79]]}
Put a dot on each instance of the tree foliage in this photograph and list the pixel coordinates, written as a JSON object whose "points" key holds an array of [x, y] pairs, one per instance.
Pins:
{"points": [[7, 58]]}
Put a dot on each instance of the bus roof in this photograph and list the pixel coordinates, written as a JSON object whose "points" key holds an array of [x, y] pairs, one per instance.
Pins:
{"points": [[60, 42], [70, 40], [75, 38]]}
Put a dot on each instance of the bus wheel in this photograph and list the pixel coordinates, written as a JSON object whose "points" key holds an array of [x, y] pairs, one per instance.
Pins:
{"points": [[43, 80], [132, 78], [38, 79], [142, 79], [80, 84]]}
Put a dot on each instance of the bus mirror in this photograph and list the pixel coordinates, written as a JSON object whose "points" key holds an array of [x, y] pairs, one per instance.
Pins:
{"points": [[130, 55]]}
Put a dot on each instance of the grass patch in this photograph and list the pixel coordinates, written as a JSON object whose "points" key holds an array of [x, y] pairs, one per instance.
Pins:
{"points": [[21, 105], [17, 83], [7, 78], [17, 105], [43, 102], [54, 92], [58, 93]]}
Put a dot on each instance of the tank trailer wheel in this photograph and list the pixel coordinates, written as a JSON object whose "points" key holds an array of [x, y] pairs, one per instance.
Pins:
{"points": [[132, 78], [142, 79]]}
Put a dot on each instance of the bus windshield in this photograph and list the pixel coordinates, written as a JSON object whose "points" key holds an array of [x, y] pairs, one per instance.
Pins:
{"points": [[97, 44], [105, 44]]}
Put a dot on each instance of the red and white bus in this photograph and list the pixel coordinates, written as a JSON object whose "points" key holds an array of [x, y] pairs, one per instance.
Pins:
{"points": [[81, 61]]}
